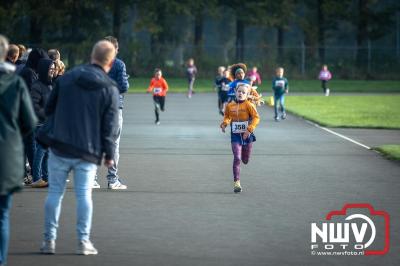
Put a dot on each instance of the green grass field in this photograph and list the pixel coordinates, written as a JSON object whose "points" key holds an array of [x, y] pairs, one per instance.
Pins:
{"points": [[390, 151], [363, 111], [207, 85], [368, 111]]}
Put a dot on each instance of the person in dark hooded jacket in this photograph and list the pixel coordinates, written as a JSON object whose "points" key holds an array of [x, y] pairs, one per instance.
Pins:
{"points": [[17, 119], [40, 93], [29, 74], [83, 108]]}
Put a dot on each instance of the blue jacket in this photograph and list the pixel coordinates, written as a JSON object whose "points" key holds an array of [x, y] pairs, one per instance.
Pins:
{"points": [[84, 110], [118, 74], [233, 85]]}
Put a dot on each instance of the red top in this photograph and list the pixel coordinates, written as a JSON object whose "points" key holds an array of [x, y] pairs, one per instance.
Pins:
{"points": [[159, 87]]}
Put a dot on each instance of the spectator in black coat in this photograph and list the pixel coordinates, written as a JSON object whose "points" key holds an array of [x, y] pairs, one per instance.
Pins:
{"points": [[40, 93], [30, 74]]}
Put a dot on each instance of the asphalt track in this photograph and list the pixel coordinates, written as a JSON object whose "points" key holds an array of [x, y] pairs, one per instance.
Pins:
{"points": [[179, 208]]}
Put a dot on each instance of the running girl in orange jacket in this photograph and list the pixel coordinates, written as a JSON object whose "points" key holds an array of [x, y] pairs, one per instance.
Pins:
{"points": [[243, 119], [159, 87]]}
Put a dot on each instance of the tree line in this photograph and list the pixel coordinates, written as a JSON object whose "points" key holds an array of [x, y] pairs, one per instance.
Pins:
{"points": [[75, 25]]}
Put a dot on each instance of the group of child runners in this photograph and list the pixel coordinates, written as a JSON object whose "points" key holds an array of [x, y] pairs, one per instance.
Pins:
{"points": [[237, 102]]}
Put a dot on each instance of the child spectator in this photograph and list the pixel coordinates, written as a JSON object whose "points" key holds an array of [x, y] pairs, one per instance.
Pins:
{"points": [[12, 54], [55, 55], [60, 69], [22, 51]]}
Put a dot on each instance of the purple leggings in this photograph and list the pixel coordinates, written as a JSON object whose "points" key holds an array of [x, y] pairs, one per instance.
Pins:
{"points": [[240, 153]]}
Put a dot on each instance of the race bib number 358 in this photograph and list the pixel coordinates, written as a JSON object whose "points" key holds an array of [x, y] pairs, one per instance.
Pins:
{"points": [[239, 127]]}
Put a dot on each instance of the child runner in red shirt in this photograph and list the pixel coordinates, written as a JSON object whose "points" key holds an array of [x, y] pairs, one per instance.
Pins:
{"points": [[159, 87]]}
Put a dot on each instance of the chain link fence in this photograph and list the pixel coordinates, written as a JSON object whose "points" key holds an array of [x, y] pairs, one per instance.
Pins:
{"points": [[300, 62]]}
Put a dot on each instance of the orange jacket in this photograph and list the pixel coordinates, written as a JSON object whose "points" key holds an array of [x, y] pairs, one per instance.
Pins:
{"points": [[158, 86], [240, 112]]}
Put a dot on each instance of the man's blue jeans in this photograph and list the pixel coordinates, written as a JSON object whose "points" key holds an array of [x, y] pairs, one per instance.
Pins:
{"points": [[112, 175], [5, 206], [84, 173], [279, 99]]}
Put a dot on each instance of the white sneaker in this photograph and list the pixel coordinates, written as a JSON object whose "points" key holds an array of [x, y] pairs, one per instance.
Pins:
{"points": [[117, 185], [96, 184], [48, 247], [237, 188], [327, 92], [85, 247]]}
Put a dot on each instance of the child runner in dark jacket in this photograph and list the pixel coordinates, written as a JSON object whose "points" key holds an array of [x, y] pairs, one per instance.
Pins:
{"points": [[222, 85], [280, 86]]}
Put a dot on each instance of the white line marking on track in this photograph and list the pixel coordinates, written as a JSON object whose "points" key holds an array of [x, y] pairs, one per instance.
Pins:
{"points": [[340, 135]]}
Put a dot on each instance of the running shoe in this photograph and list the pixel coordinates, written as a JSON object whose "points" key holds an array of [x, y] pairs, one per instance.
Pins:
{"points": [[28, 180], [327, 92], [40, 184], [48, 247], [117, 185], [96, 184], [283, 117], [236, 187], [276, 119], [85, 247]]}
